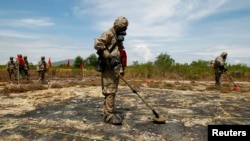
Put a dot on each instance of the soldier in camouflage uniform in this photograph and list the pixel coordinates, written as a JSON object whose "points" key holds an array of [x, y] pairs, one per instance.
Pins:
{"points": [[12, 68], [26, 67], [42, 68], [108, 46], [20, 64], [219, 68]]}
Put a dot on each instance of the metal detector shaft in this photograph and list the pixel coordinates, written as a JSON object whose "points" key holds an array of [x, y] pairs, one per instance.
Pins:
{"points": [[134, 91], [231, 79]]}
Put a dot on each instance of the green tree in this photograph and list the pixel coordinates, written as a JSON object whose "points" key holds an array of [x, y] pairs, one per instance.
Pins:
{"points": [[200, 63], [199, 69], [164, 62], [78, 61], [135, 63], [91, 60]]}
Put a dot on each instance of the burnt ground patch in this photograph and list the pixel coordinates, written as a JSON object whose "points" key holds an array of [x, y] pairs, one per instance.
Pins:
{"points": [[79, 117]]}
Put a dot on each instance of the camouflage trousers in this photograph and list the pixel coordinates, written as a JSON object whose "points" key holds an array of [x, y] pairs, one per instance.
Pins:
{"points": [[41, 76], [26, 74], [218, 73], [110, 82], [12, 72], [21, 72]]}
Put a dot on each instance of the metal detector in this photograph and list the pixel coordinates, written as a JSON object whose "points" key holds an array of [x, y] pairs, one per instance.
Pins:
{"points": [[236, 88], [158, 118]]}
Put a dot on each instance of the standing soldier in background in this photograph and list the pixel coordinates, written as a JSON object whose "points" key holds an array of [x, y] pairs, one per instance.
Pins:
{"points": [[42, 68], [12, 68], [108, 46], [219, 68], [20, 64], [26, 67]]}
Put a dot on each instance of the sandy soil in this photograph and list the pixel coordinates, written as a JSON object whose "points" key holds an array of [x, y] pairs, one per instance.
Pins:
{"points": [[75, 112]]}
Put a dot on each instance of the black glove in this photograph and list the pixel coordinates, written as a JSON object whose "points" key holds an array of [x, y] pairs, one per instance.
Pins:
{"points": [[222, 69], [99, 52], [114, 62]]}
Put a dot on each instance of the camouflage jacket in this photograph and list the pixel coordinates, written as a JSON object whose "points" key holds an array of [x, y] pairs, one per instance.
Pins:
{"points": [[11, 65], [108, 40], [26, 66], [219, 61], [42, 65]]}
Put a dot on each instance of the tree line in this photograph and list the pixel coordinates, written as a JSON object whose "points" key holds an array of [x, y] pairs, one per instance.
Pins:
{"points": [[164, 66]]}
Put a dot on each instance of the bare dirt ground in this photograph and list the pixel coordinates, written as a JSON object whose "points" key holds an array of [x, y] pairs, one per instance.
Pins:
{"points": [[71, 110]]}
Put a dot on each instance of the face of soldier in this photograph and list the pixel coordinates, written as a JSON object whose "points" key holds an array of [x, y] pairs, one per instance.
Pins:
{"points": [[121, 33], [225, 57]]}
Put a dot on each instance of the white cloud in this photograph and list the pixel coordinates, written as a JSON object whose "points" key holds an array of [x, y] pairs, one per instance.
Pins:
{"points": [[161, 19], [16, 34], [142, 51], [187, 30], [35, 22], [155, 24], [196, 9], [26, 22], [34, 49]]}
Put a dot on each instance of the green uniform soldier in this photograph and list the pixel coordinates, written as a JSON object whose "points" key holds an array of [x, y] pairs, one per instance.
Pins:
{"points": [[108, 47]]}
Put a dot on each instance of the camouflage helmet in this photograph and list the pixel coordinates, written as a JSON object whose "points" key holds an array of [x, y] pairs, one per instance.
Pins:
{"points": [[42, 57], [11, 58], [223, 54], [120, 23]]}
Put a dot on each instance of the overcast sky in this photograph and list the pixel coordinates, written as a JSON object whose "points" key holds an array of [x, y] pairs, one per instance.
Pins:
{"points": [[187, 30]]}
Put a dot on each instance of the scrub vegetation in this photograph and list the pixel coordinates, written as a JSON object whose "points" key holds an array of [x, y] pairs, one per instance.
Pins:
{"points": [[163, 68], [68, 105]]}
